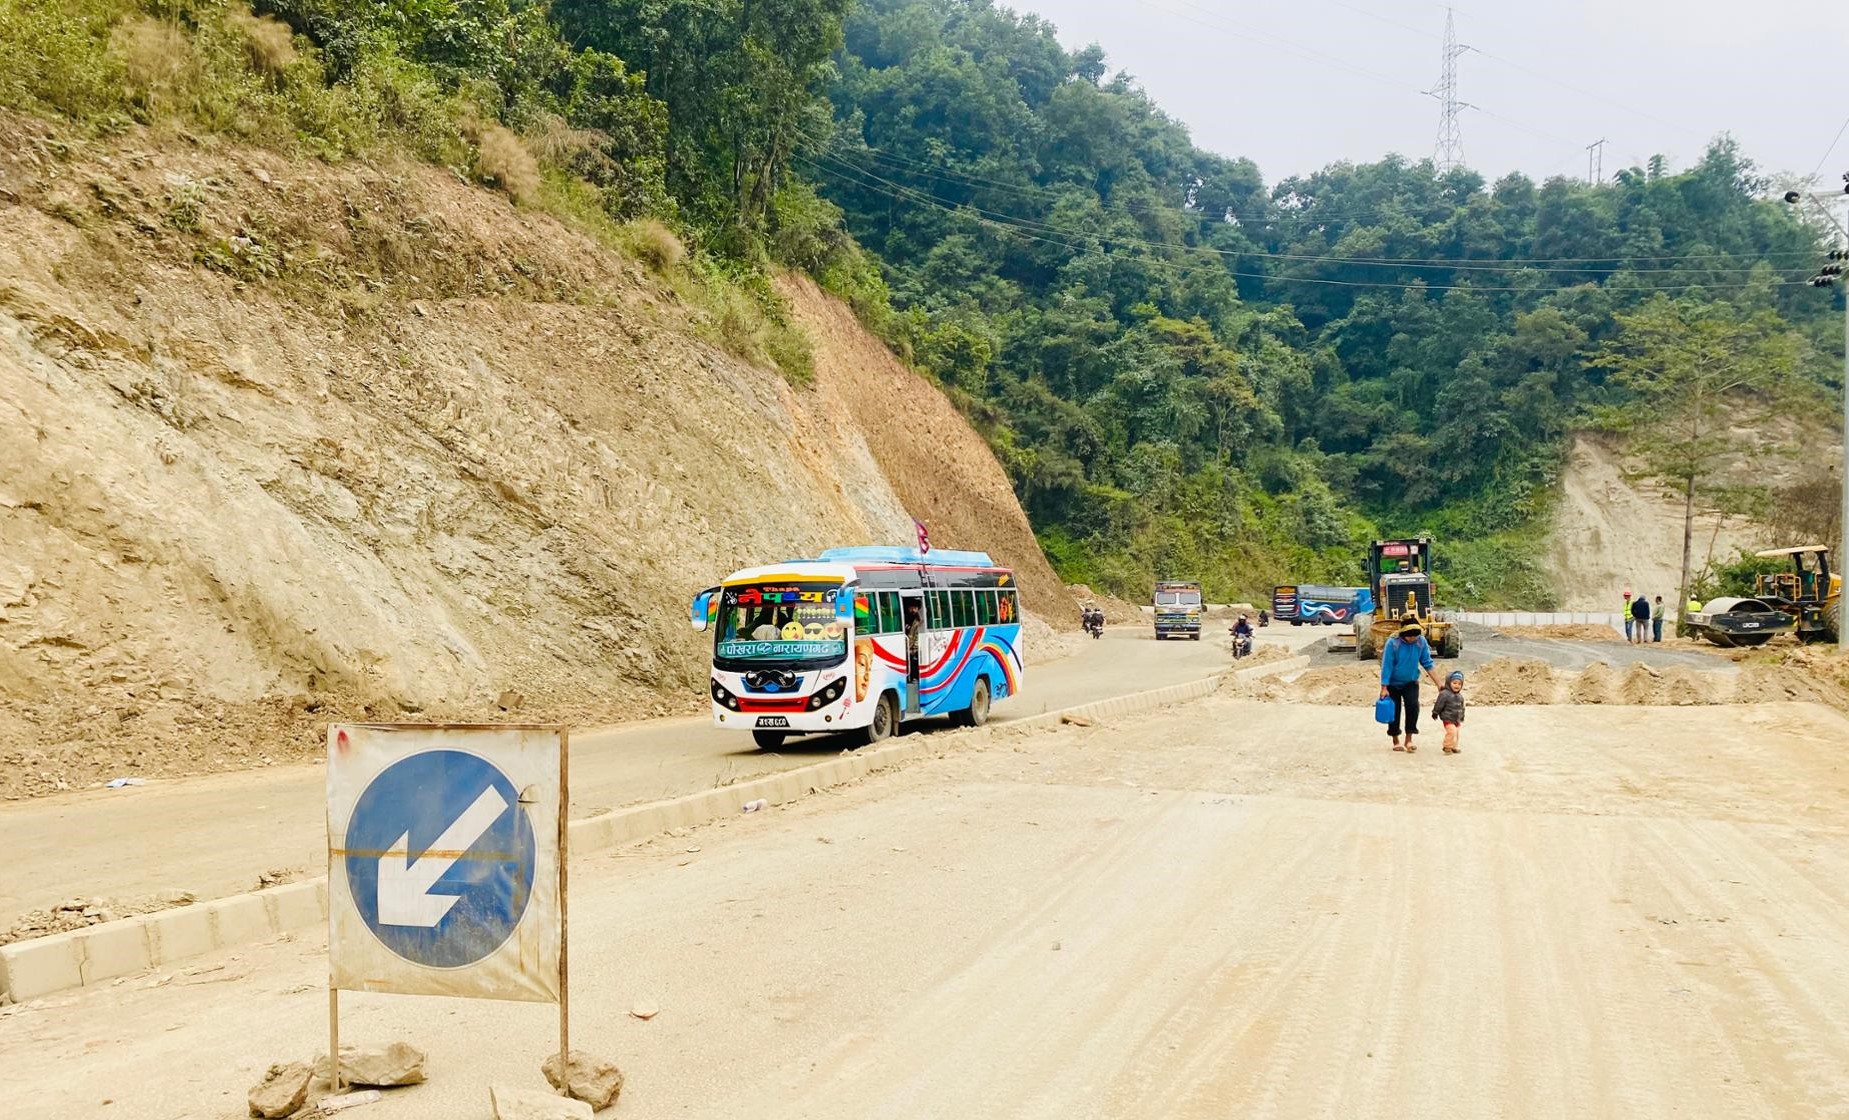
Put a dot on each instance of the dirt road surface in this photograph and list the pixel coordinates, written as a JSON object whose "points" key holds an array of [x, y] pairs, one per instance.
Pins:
{"points": [[214, 835], [1225, 908]]}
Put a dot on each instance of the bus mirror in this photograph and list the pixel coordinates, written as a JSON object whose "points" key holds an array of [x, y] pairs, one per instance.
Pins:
{"points": [[844, 604], [705, 609]]}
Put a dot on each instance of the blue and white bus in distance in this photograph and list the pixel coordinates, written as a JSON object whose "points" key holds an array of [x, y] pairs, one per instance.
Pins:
{"points": [[820, 645], [1317, 605]]}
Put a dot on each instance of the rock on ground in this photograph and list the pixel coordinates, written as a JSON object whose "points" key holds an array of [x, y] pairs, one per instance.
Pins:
{"points": [[282, 1092], [384, 1066], [591, 1079], [531, 1104]]}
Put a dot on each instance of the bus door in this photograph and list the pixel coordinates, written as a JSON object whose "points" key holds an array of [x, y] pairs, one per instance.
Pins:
{"points": [[915, 648]]}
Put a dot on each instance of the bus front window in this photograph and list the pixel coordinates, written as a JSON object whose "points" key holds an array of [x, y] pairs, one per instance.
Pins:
{"points": [[780, 624]]}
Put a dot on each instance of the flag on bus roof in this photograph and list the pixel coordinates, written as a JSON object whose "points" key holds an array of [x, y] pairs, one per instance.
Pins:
{"points": [[924, 537]]}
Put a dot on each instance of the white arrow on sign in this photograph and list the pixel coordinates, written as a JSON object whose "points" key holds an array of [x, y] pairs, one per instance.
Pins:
{"points": [[404, 886]]}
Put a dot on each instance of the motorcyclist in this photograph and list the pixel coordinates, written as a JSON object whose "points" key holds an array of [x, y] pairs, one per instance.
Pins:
{"points": [[1264, 617], [1242, 636]]}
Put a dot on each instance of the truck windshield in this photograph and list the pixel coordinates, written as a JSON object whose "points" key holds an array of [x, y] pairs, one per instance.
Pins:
{"points": [[780, 623], [1178, 598]]}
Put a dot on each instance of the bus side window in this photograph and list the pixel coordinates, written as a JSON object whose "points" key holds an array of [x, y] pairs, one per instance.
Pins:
{"points": [[939, 616], [1010, 607], [985, 608], [891, 621], [965, 607]]}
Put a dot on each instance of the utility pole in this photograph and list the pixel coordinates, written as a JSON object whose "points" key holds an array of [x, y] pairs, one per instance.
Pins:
{"points": [[1833, 275], [1595, 162], [1448, 155]]}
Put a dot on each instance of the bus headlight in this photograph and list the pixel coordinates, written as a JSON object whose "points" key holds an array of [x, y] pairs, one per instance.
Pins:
{"points": [[722, 697], [828, 695]]}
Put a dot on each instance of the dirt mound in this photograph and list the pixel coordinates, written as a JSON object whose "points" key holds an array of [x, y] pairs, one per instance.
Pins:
{"points": [[1341, 685], [1563, 631], [1597, 683], [1508, 680], [289, 442], [1515, 681], [1264, 653]]}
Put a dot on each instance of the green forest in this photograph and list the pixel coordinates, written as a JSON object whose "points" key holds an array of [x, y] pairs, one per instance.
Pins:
{"points": [[1186, 372]]}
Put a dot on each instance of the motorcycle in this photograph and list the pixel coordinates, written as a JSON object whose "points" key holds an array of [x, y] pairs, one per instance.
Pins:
{"points": [[1094, 625], [1242, 645], [1264, 618]]}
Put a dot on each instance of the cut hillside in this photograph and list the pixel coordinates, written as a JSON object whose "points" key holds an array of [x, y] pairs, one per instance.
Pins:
{"points": [[287, 442], [922, 444], [1612, 533]]}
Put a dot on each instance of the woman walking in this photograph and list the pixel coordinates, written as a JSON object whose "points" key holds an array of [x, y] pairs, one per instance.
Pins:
{"points": [[1401, 662]]}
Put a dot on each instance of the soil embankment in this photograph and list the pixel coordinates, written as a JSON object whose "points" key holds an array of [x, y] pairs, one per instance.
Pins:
{"points": [[285, 442], [1613, 533], [1507, 680]]}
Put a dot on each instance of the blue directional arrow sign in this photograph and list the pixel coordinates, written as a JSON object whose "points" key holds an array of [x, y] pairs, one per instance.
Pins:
{"points": [[440, 858]]}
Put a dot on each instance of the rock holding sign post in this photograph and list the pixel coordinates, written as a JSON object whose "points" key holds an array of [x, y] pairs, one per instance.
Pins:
{"points": [[589, 1079]]}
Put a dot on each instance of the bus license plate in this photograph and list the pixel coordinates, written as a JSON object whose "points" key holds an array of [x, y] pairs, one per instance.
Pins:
{"points": [[773, 721]]}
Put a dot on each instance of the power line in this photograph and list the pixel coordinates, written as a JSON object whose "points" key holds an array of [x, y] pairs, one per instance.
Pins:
{"points": [[1832, 148], [1464, 264], [1034, 231]]}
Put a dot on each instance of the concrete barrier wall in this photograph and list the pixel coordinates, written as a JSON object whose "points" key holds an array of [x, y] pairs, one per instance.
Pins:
{"points": [[1543, 618], [41, 966]]}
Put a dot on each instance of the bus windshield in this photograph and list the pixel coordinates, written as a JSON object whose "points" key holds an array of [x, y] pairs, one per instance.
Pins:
{"points": [[780, 623]]}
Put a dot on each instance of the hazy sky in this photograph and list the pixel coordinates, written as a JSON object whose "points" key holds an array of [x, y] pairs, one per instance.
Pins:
{"points": [[1297, 84]]}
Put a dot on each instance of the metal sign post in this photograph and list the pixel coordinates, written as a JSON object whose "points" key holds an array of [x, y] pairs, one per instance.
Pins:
{"points": [[447, 850]]}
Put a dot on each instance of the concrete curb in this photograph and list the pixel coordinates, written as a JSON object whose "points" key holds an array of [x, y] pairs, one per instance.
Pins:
{"points": [[41, 966]]}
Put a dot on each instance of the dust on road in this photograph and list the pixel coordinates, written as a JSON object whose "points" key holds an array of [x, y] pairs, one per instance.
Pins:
{"points": [[1230, 907]]}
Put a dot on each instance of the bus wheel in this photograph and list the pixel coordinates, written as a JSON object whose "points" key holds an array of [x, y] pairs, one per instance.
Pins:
{"points": [[769, 740], [977, 713], [885, 721]]}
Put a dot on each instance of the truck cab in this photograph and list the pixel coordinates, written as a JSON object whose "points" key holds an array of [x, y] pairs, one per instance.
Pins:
{"points": [[1178, 609]]}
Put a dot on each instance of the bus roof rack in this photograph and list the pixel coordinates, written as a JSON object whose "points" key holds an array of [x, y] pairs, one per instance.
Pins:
{"points": [[893, 554]]}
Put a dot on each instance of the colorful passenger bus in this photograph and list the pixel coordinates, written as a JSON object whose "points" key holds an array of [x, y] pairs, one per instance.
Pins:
{"points": [[822, 645], [1316, 604]]}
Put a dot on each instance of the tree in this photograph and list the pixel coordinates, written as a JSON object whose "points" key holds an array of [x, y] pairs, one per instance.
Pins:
{"points": [[1705, 378], [742, 81]]}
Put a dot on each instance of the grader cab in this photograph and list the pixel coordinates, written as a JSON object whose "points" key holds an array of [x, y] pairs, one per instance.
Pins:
{"points": [[1400, 576]]}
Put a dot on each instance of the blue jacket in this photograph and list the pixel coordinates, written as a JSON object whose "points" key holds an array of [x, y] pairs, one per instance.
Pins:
{"points": [[1400, 662]]}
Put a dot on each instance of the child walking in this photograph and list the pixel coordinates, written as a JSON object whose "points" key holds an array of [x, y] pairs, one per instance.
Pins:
{"points": [[1448, 709]]}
